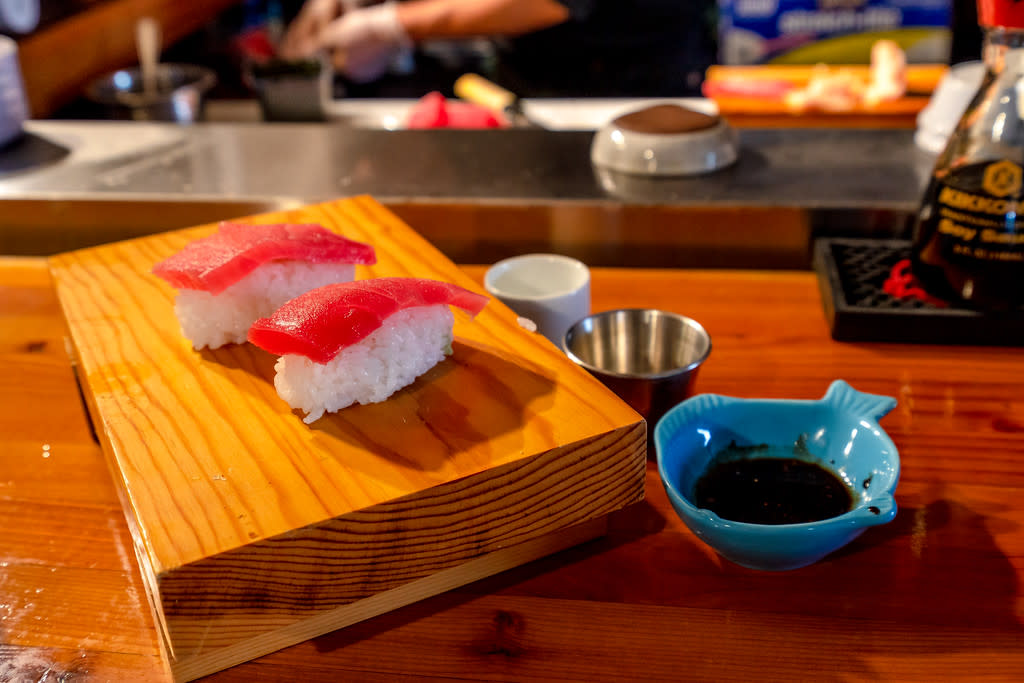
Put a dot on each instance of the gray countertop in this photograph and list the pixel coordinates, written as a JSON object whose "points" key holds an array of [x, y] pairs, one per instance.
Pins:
{"points": [[477, 195], [806, 168]]}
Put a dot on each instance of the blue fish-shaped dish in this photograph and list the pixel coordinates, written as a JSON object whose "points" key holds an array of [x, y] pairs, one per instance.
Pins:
{"points": [[840, 433]]}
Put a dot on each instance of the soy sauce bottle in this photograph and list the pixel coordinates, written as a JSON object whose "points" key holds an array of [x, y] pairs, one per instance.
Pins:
{"points": [[968, 245]]}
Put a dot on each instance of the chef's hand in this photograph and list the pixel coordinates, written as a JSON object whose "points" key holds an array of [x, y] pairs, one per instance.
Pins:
{"points": [[364, 41], [300, 40]]}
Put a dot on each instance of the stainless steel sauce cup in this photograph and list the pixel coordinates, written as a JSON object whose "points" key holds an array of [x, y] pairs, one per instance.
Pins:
{"points": [[180, 95], [648, 357]]}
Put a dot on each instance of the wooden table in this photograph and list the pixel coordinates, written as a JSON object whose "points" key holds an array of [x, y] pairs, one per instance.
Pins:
{"points": [[935, 595]]}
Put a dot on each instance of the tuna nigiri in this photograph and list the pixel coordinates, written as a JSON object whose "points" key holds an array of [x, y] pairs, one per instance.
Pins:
{"points": [[244, 272], [360, 342]]}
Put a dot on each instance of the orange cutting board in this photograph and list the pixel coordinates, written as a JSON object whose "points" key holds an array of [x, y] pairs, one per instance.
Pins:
{"points": [[734, 89], [255, 531]]}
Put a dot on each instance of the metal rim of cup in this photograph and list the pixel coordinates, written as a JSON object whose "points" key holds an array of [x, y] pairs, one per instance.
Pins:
{"points": [[105, 91], [687, 321], [504, 265]]}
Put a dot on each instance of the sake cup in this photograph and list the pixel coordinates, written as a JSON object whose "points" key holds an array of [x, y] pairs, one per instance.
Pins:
{"points": [[550, 290]]}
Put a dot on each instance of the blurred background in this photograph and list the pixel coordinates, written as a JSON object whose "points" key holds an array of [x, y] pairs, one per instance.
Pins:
{"points": [[65, 44]]}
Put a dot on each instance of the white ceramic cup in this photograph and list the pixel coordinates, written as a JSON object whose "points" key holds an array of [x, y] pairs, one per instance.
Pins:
{"points": [[551, 290], [13, 105]]}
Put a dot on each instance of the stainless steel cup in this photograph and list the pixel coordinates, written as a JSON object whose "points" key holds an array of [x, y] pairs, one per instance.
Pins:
{"points": [[180, 95], [648, 357]]}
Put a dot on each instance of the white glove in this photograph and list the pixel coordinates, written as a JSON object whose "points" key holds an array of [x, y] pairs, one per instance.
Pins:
{"points": [[300, 40], [365, 41]]}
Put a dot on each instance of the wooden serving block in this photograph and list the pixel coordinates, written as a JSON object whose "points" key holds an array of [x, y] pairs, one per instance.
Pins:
{"points": [[255, 531]]}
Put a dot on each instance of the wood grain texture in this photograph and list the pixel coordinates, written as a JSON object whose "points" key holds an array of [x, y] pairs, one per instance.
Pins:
{"points": [[937, 595], [607, 234], [72, 602], [247, 520]]}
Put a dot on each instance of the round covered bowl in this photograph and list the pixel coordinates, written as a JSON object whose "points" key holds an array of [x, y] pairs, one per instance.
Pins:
{"points": [[839, 433], [665, 140]]}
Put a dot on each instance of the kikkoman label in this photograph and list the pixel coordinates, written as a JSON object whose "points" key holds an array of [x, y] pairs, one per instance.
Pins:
{"points": [[1002, 178], [972, 214]]}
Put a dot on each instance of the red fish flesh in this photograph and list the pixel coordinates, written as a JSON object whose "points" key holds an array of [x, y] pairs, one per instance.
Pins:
{"points": [[323, 321], [214, 263]]}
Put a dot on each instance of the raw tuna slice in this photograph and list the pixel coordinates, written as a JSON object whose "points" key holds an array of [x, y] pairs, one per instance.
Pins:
{"points": [[213, 263], [244, 272], [359, 342], [434, 110]]}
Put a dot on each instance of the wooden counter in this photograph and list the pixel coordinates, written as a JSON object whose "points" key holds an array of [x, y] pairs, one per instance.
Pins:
{"points": [[935, 595]]}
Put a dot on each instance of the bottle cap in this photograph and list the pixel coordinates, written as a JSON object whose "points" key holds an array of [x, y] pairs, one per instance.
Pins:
{"points": [[1005, 13]]}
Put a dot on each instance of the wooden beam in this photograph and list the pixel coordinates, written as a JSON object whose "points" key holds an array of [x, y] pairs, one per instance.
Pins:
{"points": [[58, 61]]}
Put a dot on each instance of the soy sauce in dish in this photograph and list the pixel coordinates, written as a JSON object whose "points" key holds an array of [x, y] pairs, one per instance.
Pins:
{"points": [[771, 490]]}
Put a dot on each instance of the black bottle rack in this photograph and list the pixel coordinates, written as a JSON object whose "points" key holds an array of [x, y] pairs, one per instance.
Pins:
{"points": [[851, 276]]}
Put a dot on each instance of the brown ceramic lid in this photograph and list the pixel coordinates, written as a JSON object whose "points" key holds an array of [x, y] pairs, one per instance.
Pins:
{"points": [[665, 119]]}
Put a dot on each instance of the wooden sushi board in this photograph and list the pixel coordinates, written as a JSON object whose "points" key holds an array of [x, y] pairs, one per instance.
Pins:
{"points": [[255, 531]]}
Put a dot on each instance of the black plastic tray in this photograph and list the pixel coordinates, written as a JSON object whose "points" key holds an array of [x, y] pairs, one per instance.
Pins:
{"points": [[851, 274]]}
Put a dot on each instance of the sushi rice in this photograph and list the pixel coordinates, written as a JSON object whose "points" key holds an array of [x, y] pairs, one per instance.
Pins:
{"points": [[408, 344], [213, 320]]}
